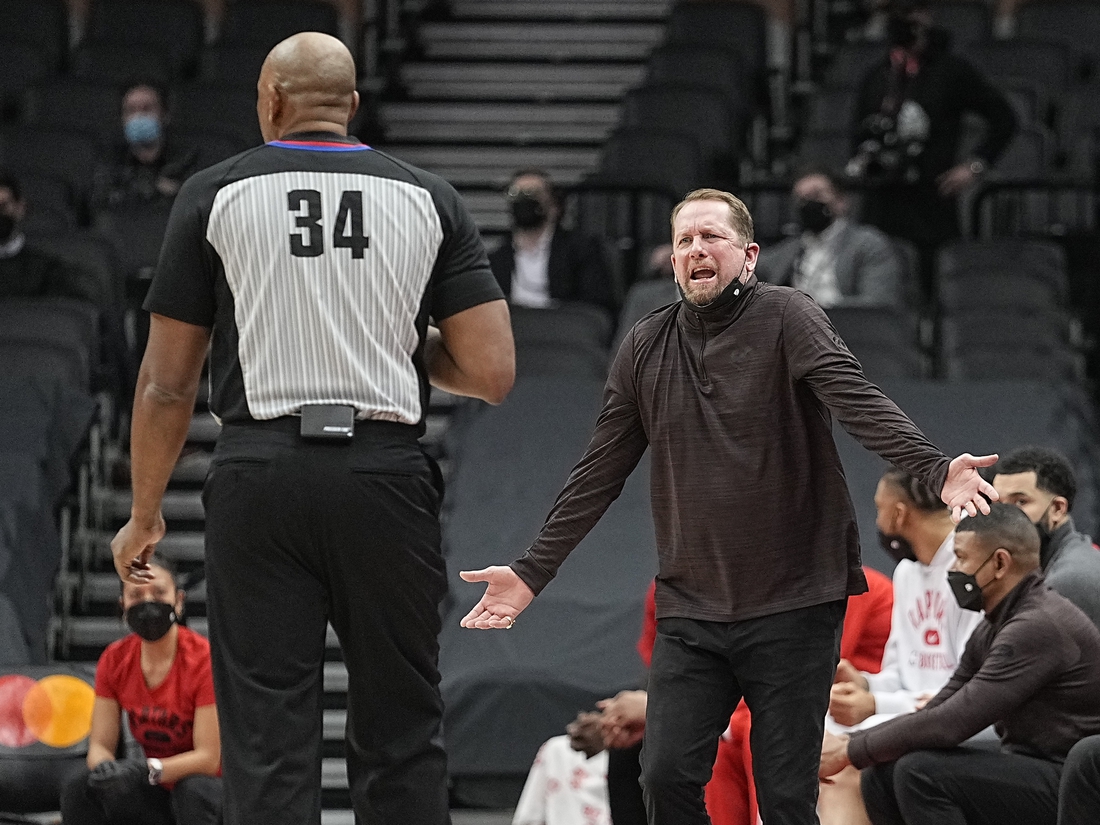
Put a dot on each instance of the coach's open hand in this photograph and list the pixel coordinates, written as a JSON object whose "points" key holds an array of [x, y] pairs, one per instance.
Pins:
{"points": [[964, 488], [504, 599]]}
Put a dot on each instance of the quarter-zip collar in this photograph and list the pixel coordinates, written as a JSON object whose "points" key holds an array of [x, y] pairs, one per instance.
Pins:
{"points": [[722, 311]]}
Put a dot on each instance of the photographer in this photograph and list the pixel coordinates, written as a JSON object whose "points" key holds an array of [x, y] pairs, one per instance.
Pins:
{"points": [[908, 129], [160, 676]]}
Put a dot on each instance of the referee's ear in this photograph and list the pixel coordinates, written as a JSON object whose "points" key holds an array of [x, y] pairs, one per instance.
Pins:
{"points": [[354, 106]]}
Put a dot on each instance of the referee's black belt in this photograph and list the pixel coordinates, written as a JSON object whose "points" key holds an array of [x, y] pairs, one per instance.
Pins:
{"points": [[291, 425]]}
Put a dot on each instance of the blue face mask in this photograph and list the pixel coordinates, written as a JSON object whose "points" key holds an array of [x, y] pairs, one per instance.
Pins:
{"points": [[141, 129]]}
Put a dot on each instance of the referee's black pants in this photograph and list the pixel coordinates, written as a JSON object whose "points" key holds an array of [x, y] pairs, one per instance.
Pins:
{"points": [[783, 665], [962, 786], [300, 534]]}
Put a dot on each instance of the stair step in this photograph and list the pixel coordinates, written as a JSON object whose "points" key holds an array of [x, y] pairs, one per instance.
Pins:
{"points": [[489, 209], [204, 429], [493, 166], [563, 9], [192, 468], [100, 631], [177, 505], [102, 588], [521, 81], [564, 42], [180, 546], [519, 123]]}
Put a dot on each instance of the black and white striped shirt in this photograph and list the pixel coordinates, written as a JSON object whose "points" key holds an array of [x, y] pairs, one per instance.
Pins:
{"points": [[317, 262]]}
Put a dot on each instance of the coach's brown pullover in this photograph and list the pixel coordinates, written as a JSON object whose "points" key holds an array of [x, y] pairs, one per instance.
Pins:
{"points": [[750, 505]]}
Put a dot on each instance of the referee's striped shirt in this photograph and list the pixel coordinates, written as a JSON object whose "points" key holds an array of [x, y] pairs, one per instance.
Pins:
{"points": [[317, 261]]}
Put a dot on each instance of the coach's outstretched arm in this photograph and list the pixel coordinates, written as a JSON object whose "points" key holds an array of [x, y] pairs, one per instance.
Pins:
{"points": [[163, 404], [965, 489], [472, 353]]}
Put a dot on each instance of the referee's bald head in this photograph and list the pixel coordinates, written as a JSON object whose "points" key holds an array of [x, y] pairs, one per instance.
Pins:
{"points": [[307, 83]]}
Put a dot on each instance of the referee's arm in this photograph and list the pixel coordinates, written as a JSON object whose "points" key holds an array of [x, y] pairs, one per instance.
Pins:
{"points": [[472, 353], [163, 404]]}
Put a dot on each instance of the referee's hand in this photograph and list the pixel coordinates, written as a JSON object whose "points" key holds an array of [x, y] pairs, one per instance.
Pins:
{"points": [[132, 547], [504, 599]]}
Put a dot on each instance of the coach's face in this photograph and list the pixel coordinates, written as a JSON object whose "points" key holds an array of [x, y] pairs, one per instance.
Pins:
{"points": [[707, 252]]}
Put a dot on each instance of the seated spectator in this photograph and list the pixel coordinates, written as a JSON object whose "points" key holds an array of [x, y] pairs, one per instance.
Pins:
{"points": [[928, 630], [567, 785], [1079, 790], [1032, 668], [545, 264], [148, 165], [160, 676], [834, 260], [27, 272], [1041, 482]]}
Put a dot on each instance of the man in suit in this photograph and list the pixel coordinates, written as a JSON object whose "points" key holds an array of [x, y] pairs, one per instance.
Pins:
{"points": [[834, 260], [545, 264]]}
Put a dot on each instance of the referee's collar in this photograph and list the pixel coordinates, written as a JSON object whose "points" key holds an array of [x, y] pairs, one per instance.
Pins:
{"points": [[319, 142]]}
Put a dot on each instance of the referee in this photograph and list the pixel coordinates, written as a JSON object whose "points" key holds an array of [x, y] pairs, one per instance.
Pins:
{"points": [[311, 265]]}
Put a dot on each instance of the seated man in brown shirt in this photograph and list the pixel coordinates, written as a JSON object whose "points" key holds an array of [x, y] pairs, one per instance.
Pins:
{"points": [[1032, 669]]}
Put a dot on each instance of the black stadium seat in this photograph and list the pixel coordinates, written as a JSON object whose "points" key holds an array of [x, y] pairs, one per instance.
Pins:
{"points": [[58, 152], [85, 106], [732, 24], [651, 157], [120, 65], [172, 27], [39, 23], [264, 23]]}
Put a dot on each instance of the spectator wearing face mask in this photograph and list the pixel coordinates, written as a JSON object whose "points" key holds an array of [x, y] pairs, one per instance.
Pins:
{"points": [[545, 264], [1032, 668], [160, 676], [1041, 482], [148, 165], [834, 260], [27, 271]]}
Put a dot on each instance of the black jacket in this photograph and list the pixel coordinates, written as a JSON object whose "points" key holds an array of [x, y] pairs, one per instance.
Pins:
{"points": [[578, 270]]}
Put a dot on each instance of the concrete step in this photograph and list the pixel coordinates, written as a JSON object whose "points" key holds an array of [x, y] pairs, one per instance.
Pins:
{"points": [[520, 81], [181, 546], [177, 505], [100, 631], [511, 123], [493, 166], [563, 42], [103, 588], [489, 208], [562, 9]]}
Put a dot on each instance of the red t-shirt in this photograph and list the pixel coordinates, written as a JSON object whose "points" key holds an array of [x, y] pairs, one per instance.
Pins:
{"points": [[161, 720]]}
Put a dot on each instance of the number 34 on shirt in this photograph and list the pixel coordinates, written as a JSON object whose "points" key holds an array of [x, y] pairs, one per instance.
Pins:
{"points": [[310, 220]]}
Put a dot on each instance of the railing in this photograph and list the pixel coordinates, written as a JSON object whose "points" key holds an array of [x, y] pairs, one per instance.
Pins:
{"points": [[1039, 206]]}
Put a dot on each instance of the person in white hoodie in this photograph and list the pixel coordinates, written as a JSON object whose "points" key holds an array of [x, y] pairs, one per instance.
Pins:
{"points": [[928, 629]]}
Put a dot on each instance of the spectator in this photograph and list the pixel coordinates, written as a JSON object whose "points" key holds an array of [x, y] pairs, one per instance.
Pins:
{"points": [[1079, 791], [928, 630], [567, 785], [1032, 668], [908, 129], [27, 272], [835, 261], [159, 675], [545, 264], [1041, 482], [148, 165]]}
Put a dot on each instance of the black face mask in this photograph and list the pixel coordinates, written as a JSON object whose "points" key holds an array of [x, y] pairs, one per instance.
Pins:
{"points": [[150, 620], [815, 216], [897, 547], [901, 31], [527, 211], [965, 587], [7, 227]]}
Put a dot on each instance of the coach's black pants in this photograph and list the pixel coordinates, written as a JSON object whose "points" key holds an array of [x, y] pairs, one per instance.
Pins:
{"points": [[962, 786], [783, 665], [299, 534]]}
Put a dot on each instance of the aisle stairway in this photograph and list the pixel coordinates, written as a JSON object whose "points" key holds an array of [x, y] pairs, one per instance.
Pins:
{"points": [[508, 84]]}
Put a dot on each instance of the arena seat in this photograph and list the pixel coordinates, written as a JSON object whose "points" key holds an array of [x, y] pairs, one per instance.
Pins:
{"points": [[851, 62], [506, 693], [264, 23], [217, 110], [1075, 23], [172, 27], [684, 64], [39, 23], [967, 20], [573, 322], [643, 298], [25, 65], [55, 152], [46, 713], [1012, 257], [117, 65], [233, 66], [736, 25], [653, 158], [1041, 60], [86, 106]]}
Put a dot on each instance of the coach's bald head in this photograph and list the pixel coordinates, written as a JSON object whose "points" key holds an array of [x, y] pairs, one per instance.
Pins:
{"points": [[307, 84]]}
